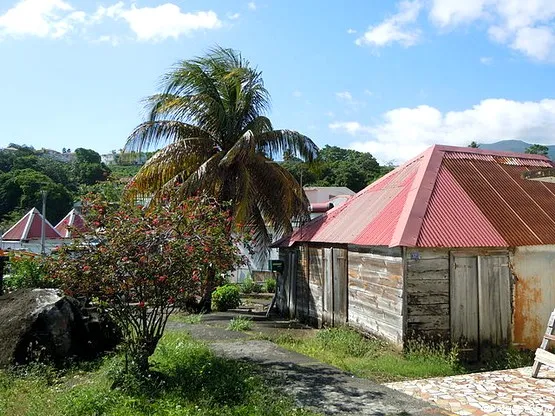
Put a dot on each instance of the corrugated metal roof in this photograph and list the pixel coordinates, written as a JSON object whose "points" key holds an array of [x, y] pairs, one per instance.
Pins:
{"points": [[445, 197], [29, 227], [72, 220], [444, 226]]}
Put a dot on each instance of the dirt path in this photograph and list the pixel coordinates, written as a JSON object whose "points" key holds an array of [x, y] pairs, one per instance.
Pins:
{"points": [[315, 385]]}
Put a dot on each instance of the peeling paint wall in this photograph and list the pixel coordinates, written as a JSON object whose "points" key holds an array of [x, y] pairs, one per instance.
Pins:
{"points": [[534, 293]]}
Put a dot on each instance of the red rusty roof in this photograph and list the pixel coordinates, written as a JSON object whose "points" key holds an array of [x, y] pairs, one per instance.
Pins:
{"points": [[30, 228], [445, 197], [72, 220]]}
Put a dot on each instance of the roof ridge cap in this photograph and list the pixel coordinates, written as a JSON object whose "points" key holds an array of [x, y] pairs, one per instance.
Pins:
{"points": [[410, 222]]}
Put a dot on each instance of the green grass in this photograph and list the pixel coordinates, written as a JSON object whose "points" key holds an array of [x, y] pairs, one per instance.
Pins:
{"points": [[373, 358], [186, 379], [240, 323], [186, 318]]}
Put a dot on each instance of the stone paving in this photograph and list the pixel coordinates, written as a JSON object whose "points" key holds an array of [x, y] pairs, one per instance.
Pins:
{"points": [[506, 392]]}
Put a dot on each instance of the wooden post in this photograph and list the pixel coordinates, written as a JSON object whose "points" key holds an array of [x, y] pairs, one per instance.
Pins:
{"points": [[542, 355], [3, 261]]}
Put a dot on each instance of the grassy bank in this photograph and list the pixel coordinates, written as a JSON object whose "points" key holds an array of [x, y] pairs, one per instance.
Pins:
{"points": [[373, 358], [187, 379]]}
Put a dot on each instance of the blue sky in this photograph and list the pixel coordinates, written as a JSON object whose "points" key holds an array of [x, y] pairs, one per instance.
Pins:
{"points": [[382, 76]]}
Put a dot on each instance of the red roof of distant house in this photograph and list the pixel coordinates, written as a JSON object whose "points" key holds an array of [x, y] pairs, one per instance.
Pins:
{"points": [[445, 197], [72, 220], [30, 228]]}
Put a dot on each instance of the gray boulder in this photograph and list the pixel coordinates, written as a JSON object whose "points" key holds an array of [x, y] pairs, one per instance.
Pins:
{"points": [[42, 324]]}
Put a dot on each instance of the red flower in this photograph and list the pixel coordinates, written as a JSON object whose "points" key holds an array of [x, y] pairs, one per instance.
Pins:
{"points": [[86, 268], [141, 304], [124, 258], [162, 278], [171, 300]]}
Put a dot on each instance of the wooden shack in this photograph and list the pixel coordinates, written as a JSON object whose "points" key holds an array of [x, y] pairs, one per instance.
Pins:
{"points": [[452, 245]]}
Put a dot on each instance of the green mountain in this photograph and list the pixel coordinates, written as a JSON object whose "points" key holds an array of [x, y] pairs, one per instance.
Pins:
{"points": [[517, 146]]}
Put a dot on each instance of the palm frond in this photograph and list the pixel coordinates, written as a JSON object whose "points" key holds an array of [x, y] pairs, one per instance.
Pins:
{"points": [[275, 142], [153, 133], [176, 159]]}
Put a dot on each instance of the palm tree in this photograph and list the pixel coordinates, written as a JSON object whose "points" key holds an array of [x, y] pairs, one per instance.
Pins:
{"points": [[210, 116]]}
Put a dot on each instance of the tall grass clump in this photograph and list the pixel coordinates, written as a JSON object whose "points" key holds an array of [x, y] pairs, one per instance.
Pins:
{"points": [[240, 323], [374, 358], [186, 378]]}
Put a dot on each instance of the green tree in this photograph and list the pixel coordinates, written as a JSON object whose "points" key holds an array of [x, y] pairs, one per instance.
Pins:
{"points": [[211, 113], [21, 190], [88, 168], [145, 263], [474, 145], [537, 149]]}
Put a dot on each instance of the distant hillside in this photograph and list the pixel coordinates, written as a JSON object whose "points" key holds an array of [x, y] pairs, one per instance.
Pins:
{"points": [[517, 146]]}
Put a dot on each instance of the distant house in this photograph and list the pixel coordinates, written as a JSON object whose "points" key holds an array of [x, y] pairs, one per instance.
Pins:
{"points": [[320, 194], [26, 234], [73, 220], [108, 158], [454, 244], [321, 199], [65, 157]]}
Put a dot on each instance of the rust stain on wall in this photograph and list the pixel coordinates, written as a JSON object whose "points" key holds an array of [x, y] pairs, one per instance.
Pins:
{"points": [[527, 328]]}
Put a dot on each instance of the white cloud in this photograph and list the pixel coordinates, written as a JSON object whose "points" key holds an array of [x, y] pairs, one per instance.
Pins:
{"points": [[233, 16], [486, 60], [398, 28], [525, 26], [297, 94], [368, 92], [403, 132], [57, 18], [252, 5], [344, 96], [161, 22], [41, 18], [351, 31], [537, 42], [351, 127]]}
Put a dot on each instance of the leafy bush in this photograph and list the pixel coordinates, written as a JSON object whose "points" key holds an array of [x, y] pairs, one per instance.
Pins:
{"points": [[240, 323], [27, 271], [250, 286], [270, 285], [226, 297], [142, 264]]}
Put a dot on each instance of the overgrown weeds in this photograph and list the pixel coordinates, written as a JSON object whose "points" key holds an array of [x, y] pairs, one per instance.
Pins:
{"points": [[186, 318], [240, 323], [186, 378], [374, 358]]}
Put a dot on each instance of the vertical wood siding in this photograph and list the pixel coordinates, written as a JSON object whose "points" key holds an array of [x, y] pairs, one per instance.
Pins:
{"points": [[316, 284], [375, 295], [427, 286]]}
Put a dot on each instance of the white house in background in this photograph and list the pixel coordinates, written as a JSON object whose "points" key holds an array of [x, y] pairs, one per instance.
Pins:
{"points": [[26, 234], [322, 199], [108, 158], [320, 194]]}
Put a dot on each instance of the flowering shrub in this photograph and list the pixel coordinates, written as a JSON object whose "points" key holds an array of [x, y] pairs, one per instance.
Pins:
{"points": [[143, 263], [26, 271]]}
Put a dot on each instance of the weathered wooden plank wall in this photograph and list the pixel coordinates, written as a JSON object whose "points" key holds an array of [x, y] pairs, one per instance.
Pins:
{"points": [[427, 291], [303, 290], [494, 299], [316, 284], [375, 293]]}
